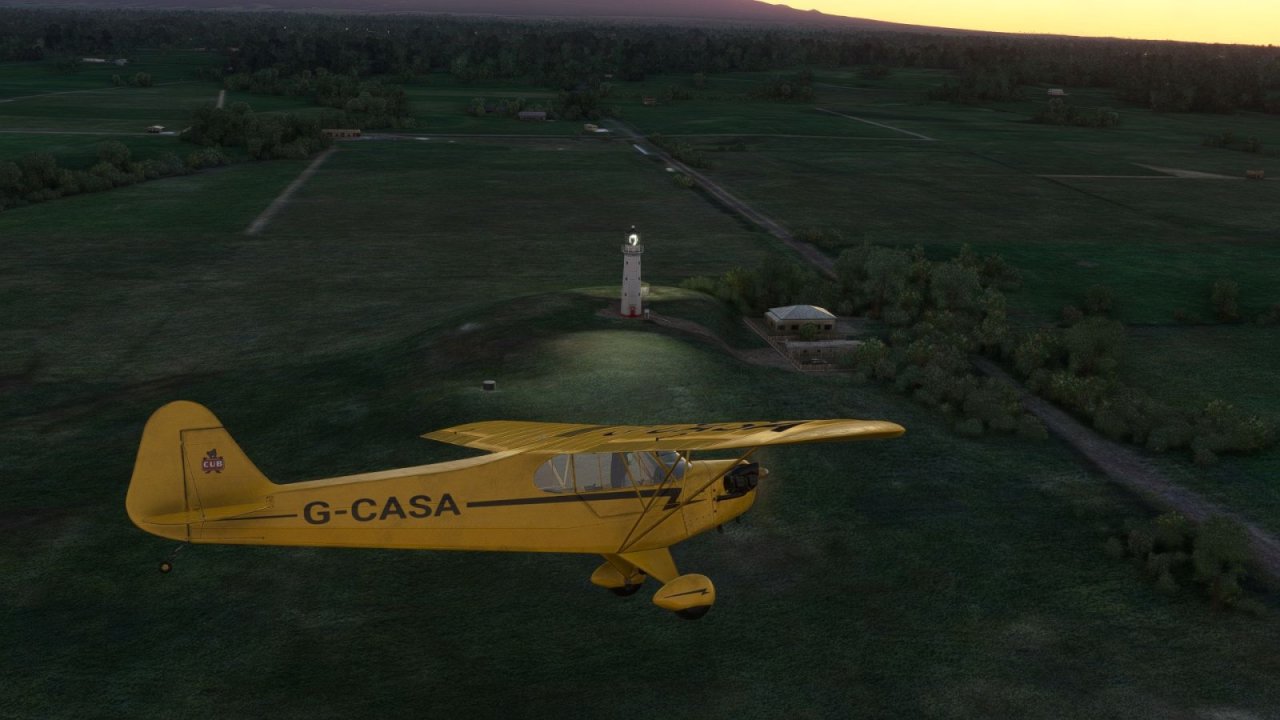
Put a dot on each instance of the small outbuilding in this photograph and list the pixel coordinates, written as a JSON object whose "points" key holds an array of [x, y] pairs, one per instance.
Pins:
{"points": [[820, 351], [155, 129], [1057, 92], [791, 319], [533, 115]]}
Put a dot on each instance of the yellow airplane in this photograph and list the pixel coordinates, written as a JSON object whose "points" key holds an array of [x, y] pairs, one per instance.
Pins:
{"points": [[625, 492]]}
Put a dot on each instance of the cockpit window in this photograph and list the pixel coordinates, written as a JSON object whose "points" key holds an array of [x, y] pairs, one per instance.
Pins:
{"points": [[588, 472], [553, 475]]}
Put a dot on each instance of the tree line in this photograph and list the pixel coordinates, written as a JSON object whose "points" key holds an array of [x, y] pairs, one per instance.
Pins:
{"points": [[263, 136], [37, 177], [1166, 76]]}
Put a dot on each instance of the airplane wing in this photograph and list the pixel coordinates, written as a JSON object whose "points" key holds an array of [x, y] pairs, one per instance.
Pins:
{"points": [[558, 438]]}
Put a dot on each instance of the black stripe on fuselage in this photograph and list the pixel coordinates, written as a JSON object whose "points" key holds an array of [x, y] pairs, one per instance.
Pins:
{"points": [[671, 494], [254, 517]]}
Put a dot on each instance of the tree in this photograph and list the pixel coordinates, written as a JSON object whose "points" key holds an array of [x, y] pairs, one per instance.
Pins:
{"points": [[39, 171], [954, 286], [10, 177], [114, 153], [886, 276]]}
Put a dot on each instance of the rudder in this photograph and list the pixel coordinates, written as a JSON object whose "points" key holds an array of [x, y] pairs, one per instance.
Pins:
{"points": [[189, 470]]}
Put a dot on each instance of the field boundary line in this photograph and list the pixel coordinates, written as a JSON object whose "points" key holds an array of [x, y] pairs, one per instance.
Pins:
{"points": [[90, 90], [926, 138], [260, 223]]}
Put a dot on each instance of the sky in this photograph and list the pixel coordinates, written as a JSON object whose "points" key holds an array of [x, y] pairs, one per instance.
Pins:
{"points": [[1254, 22]]}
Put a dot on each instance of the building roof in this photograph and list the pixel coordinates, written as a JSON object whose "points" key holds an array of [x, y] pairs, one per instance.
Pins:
{"points": [[800, 313]]}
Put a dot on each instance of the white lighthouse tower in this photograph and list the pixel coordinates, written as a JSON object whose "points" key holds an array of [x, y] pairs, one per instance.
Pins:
{"points": [[631, 252]]}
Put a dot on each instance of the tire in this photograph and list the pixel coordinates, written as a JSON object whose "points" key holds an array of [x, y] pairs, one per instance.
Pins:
{"points": [[693, 613], [625, 590], [166, 567]]}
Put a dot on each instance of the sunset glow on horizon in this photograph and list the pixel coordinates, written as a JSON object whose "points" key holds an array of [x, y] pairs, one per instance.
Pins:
{"points": [[1253, 22]]}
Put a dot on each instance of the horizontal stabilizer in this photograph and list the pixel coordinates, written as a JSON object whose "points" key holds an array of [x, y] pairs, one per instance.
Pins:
{"points": [[557, 438]]}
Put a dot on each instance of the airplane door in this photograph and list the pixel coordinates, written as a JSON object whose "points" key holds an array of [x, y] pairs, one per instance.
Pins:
{"points": [[602, 483]]}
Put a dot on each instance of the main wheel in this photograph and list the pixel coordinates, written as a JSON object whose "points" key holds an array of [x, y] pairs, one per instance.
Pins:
{"points": [[693, 613], [626, 590]]}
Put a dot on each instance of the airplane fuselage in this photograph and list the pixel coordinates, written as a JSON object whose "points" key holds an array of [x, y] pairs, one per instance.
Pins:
{"points": [[484, 503]]}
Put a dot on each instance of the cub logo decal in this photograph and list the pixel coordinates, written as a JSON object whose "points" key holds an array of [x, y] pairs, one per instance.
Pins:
{"points": [[212, 462]]}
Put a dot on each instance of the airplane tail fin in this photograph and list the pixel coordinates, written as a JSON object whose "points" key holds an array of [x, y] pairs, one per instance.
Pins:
{"points": [[189, 471]]}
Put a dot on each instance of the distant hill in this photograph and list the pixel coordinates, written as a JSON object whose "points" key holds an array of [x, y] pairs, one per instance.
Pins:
{"points": [[689, 10]]}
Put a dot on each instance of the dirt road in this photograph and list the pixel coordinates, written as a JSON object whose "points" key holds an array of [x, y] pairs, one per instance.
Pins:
{"points": [[811, 254], [1127, 468]]}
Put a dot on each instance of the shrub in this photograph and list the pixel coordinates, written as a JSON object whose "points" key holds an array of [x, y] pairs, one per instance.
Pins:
{"points": [[1071, 315], [1225, 298], [1094, 346], [1036, 351], [1221, 550], [1109, 421], [114, 153], [1099, 300], [969, 427], [1172, 532]]}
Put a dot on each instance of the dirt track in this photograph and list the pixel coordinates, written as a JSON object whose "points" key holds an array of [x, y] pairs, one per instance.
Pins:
{"points": [[1127, 468], [260, 223]]}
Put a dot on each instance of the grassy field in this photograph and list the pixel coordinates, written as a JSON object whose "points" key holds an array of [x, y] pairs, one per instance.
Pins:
{"points": [[929, 576], [1069, 207], [1002, 184]]}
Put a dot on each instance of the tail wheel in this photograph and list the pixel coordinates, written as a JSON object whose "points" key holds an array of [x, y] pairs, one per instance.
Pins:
{"points": [[166, 567]]}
